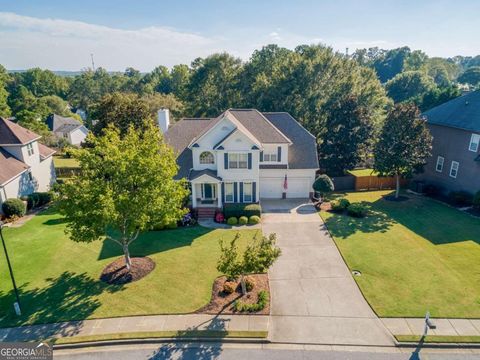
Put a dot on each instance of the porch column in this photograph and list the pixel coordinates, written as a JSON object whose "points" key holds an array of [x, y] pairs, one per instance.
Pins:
{"points": [[219, 195], [194, 195]]}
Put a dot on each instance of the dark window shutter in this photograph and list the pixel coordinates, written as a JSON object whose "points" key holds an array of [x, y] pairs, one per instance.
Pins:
{"points": [[235, 195], [261, 156], [222, 195], [254, 192], [241, 192], [249, 160], [279, 154], [225, 157]]}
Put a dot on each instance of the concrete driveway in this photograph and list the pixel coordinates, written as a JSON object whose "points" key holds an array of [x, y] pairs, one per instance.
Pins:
{"points": [[315, 299]]}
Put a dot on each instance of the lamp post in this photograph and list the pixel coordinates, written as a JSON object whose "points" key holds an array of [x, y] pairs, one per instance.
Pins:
{"points": [[17, 304]]}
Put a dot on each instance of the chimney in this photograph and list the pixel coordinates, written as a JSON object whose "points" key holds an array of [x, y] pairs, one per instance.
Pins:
{"points": [[163, 118]]}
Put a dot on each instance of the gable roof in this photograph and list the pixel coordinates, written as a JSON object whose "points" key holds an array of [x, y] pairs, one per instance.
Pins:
{"points": [[57, 123], [11, 167], [462, 112], [302, 154], [45, 151], [194, 174], [14, 134]]}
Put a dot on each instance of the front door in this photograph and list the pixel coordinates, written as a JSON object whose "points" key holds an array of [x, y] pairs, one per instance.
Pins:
{"points": [[208, 191]]}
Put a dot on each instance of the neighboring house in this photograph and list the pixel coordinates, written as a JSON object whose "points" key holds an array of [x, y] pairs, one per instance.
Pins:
{"points": [[26, 165], [68, 128], [455, 161], [243, 155]]}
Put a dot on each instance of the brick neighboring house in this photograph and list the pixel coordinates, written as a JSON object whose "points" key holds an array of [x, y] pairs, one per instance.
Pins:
{"points": [[26, 165], [455, 161]]}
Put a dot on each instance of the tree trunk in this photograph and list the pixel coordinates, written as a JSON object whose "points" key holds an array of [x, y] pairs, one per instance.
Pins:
{"points": [[244, 286], [397, 191], [128, 263]]}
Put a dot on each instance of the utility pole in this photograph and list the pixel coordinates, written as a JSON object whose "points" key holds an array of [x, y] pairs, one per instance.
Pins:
{"points": [[93, 63], [17, 304]]}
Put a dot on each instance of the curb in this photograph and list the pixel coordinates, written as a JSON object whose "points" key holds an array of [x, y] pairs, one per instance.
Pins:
{"points": [[438, 345], [159, 341]]}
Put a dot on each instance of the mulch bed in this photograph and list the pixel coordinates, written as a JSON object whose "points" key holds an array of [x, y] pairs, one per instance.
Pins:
{"points": [[325, 206], [116, 273], [222, 303]]}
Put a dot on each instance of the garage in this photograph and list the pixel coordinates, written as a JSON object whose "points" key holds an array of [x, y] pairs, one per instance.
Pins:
{"points": [[271, 188], [298, 188]]}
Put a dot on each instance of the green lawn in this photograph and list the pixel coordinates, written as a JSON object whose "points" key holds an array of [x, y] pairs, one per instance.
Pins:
{"points": [[415, 255], [58, 278], [61, 162], [363, 172]]}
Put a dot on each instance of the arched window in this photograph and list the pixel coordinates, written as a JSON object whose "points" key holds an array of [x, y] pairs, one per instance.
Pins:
{"points": [[206, 157]]}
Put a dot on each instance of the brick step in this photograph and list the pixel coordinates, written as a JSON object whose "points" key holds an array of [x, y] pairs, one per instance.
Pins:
{"points": [[206, 213]]}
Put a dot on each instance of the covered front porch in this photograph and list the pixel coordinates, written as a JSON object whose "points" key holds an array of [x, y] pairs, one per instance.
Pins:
{"points": [[206, 189]]}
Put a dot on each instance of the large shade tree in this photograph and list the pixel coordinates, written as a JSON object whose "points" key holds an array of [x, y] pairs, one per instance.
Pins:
{"points": [[404, 144], [126, 187]]}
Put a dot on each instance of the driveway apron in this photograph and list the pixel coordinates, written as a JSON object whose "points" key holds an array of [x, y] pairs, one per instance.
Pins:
{"points": [[314, 297]]}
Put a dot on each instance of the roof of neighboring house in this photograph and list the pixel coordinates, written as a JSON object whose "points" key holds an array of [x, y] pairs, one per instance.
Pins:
{"points": [[281, 126], [462, 112], [45, 151], [14, 134], [302, 154], [11, 167], [57, 123], [197, 173]]}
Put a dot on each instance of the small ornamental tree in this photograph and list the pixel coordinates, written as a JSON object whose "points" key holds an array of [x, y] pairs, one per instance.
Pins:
{"points": [[404, 144], [323, 185], [125, 186], [257, 258]]}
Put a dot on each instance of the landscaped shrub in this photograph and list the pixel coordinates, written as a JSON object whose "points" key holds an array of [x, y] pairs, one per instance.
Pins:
{"points": [[357, 210], [259, 305], [249, 283], [243, 220], [460, 198], [254, 220], [13, 207], [229, 287], [37, 199], [232, 221], [476, 200], [339, 205], [238, 210]]}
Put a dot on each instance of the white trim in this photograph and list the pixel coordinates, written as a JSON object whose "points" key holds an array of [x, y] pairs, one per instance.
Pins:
{"points": [[456, 169], [206, 163], [238, 160], [440, 163], [475, 142], [214, 191]]}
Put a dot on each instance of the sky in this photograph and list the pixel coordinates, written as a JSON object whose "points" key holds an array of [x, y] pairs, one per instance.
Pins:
{"points": [[62, 34]]}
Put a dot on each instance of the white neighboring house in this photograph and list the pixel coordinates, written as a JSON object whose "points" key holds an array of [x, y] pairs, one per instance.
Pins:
{"points": [[68, 128], [242, 156], [26, 165]]}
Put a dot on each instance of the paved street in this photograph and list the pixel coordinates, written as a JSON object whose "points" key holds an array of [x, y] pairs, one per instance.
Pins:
{"points": [[315, 299], [213, 351]]}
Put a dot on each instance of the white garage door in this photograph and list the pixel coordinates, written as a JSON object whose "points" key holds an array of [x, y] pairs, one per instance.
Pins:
{"points": [[271, 188], [298, 188]]}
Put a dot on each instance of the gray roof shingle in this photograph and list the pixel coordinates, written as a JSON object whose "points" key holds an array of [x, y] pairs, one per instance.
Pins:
{"points": [[11, 167], [14, 134], [462, 113], [57, 123]]}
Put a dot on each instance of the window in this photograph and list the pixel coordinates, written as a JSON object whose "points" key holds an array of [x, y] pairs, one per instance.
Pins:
{"points": [[440, 161], [206, 157], [30, 149], [229, 198], [65, 135], [247, 192], [30, 176], [237, 161], [269, 157], [454, 169], [474, 142]]}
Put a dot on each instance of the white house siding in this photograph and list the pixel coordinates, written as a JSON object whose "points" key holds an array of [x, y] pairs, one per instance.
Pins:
{"points": [[77, 136], [44, 174], [299, 182]]}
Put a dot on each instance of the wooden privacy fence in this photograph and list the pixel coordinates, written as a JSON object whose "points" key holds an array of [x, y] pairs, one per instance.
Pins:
{"points": [[65, 172], [373, 182]]}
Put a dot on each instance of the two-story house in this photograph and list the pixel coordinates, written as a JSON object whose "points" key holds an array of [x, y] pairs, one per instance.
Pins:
{"points": [[70, 129], [26, 165], [455, 161], [243, 155]]}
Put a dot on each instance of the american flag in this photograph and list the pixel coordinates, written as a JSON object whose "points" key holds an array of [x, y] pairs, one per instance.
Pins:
{"points": [[285, 183]]}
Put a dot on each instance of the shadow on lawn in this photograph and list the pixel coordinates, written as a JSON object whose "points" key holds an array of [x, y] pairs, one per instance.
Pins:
{"points": [[154, 241], [67, 297]]}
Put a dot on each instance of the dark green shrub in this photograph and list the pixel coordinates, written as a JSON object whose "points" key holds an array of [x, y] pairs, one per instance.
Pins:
{"points": [[232, 221], [37, 199], [254, 220], [242, 220], [323, 185], [460, 198], [258, 306], [13, 207], [339, 205], [238, 210], [476, 200], [357, 210]]}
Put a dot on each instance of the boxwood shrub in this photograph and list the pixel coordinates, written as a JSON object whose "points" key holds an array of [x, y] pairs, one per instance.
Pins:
{"points": [[238, 210], [232, 221], [13, 207], [253, 220]]}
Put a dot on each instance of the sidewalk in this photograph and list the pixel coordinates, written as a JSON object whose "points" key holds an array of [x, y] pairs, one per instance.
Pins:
{"points": [[448, 327], [137, 324]]}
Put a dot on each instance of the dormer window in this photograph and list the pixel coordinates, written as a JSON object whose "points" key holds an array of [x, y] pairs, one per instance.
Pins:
{"points": [[206, 157], [30, 149]]}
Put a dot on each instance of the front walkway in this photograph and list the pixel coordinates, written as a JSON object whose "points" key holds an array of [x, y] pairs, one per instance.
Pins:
{"points": [[130, 324], [314, 297]]}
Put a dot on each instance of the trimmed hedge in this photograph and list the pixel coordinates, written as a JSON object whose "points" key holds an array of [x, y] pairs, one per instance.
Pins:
{"points": [[253, 220], [13, 207], [238, 210], [37, 199], [232, 221], [242, 220]]}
